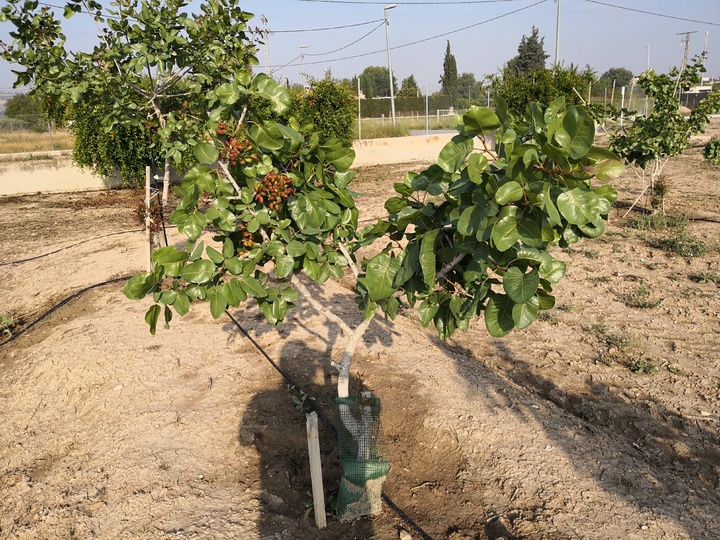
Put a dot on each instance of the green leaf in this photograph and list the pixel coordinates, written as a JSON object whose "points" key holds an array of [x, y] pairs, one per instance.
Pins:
{"points": [[579, 206], [607, 169], [553, 270], [284, 265], [509, 192], [505, 233], [379, 275], [273, 91], [218, 304], [553, 215], [520, 287], [199, 271], [453, 154], [168, 317], [499, 315], [140, 286], [168, 255], [152, 316], [206, 153], [427, 257], [227, 93], [427, 311], [545, 300], [470, 220], [481, 119], [234, 266], [267, 135], [237, 289], [524, 314], [181, 304], [253, 287], [580, 129], [214, 255], [295, 248], [394, 204]]}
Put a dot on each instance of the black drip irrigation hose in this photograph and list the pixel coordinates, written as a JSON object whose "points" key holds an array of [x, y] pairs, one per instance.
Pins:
{"points": [[62, 303], [394, 507], [68, 247]]}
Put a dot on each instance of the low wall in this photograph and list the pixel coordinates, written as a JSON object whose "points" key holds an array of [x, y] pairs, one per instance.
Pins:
{"points": [[399, 149], [54, 171], [46, 172]]}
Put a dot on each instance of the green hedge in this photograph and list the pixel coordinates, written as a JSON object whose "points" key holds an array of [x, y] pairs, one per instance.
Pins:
{"points": [[404, 106]]}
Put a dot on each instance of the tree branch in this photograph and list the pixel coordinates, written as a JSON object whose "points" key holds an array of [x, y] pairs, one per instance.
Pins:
{"points": [[346, 253], [449, 266]]}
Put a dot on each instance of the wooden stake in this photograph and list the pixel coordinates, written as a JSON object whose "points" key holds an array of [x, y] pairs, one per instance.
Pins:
{"points": [[148, 233], [316, 470]]}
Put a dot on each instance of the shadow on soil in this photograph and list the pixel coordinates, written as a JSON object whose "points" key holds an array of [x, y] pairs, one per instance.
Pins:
{"points": [[275, 424], [683, 453]]}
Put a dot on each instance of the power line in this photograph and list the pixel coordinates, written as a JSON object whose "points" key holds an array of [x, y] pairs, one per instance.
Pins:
{"points": [[324, 29], [429, 3], [382, 23], [444, 34], [648, 13]]}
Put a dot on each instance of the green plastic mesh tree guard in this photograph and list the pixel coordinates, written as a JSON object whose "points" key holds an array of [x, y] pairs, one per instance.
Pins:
{"points": [[361, 456]]}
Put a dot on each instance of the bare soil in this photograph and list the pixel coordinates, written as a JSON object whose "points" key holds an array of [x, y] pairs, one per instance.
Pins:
{"points": [[601, 420]]}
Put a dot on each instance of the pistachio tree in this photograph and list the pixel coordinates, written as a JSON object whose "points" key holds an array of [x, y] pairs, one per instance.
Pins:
{"points": [[469, 236], [650, 141], [151, 67]]}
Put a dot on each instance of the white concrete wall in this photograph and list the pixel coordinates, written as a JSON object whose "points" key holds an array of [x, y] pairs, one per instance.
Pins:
{"points": [[54, 171]]}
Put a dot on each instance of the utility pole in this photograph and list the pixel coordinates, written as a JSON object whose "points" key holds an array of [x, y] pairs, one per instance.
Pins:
{"points": [[302, 65], [557, 36], [390, 73], [686, 42], [266, 37]]}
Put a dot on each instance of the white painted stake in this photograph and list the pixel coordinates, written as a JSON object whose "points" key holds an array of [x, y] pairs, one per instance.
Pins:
{"points": [[148, 234], [316, 470]]}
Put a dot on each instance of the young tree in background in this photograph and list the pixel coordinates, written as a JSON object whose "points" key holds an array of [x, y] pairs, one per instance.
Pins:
{"points": [[409, 87], [375, 82], [531, 55], [620, 75], [449, 78]]}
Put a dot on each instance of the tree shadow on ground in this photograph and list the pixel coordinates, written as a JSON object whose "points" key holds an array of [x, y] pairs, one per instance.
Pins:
{"points": [[677, 456], [275, 422]]}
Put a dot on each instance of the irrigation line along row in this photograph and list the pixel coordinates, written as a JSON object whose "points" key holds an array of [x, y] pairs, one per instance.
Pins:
{"points": [[402, 515], [395, 508], [62, 303]]}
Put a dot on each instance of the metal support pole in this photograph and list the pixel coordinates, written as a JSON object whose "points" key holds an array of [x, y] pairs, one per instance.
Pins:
{"points": [[390, 72]]}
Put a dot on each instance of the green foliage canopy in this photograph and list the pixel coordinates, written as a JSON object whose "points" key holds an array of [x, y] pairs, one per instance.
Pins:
{"points": [[543, 86], [375, 82], [409, 88], [531, 55], [449, 77]]}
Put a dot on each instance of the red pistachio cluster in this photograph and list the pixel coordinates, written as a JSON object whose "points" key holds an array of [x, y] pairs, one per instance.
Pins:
{"points": [[236, 151], [273, 189]]}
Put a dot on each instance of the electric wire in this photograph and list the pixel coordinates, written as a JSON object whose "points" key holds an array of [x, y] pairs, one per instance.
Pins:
{"points": [[429, 3], [360, 55], [323, 29], [652, 13], [349, 44]]}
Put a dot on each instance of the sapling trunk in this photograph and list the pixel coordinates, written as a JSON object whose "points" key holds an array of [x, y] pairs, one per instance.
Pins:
{"points": [[166, 183]]}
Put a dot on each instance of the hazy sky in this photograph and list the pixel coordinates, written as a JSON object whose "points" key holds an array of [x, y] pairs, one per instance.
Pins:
{"points": [[591, 32]]}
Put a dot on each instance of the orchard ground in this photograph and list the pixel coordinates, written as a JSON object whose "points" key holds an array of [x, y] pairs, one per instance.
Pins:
{"points": [[601, 420]]}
